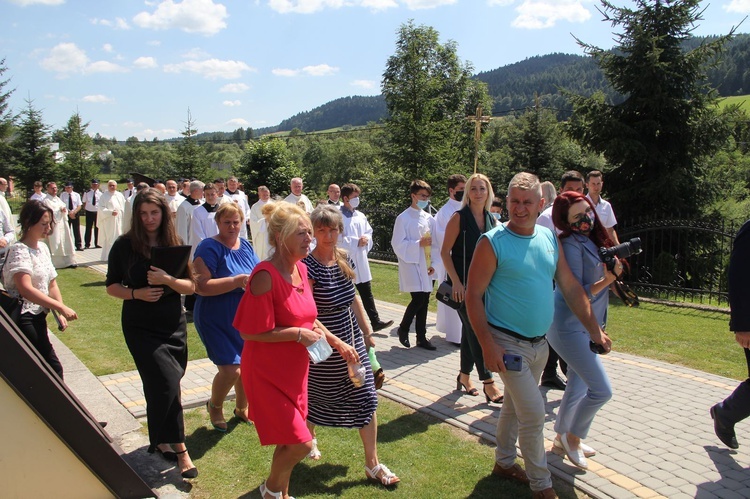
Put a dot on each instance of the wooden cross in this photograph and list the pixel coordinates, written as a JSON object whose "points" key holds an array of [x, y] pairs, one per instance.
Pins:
{"points": [[478, 119]]}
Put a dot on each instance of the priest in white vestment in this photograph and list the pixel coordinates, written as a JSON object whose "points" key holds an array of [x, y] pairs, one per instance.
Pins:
{"points": [[60, 241], [111, 209]]}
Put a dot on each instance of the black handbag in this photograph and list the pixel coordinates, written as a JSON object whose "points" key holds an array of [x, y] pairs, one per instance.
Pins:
{"points": [[445, 295], [11, 306]]}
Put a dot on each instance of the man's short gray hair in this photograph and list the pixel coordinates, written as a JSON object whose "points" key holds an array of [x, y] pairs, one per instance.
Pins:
{"points": [[526, 182], [196, 185]]}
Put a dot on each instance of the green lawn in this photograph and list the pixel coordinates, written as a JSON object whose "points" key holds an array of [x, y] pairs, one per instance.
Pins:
{"points": [[742, 100]]}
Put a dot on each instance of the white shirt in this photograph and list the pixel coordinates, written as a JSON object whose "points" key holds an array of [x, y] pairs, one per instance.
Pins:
{"points": [[202, 225], [291, 198], [356, 226], [604, 212], [37, 196], [87, 197], [409, 228], [5, 208], [545, 220], [183, 217], [74, 196]]}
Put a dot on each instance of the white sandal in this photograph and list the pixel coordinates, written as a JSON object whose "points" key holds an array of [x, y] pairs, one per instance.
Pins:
{"points": [[314, 452], [264, 490], [382, 475]]}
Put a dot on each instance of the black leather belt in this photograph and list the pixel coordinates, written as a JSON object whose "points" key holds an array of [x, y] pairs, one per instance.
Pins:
{"points": [[535, 339]]}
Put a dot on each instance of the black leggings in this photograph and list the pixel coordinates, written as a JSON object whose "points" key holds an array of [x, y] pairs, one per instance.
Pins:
{"points": [[417, 307], [34, 327]]}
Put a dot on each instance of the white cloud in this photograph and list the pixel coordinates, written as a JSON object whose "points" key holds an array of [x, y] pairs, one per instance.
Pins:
{"points": [[26, 3], [501, 3], [540, 14], [238, 122], [234, 88], [145, 63], [107, 47], [66, 59], [119, 23], [98, 99], [311, 6], [739, 6], [132, 124], [211, 68], [319, 70], [105, 67], [150, 134], [192, 16], [232, 103], [366, 84], [195, 54]]}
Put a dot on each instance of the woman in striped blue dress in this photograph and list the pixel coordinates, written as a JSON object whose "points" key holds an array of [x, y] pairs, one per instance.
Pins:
{"points": [[333, 400]]}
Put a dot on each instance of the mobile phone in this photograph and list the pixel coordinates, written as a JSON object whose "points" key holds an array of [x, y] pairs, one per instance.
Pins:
{"points": [[57, 319], [512, 362], [596, 348]]}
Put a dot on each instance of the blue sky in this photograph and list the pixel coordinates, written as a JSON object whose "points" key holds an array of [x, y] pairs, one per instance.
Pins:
{"points": [[133, 68]]}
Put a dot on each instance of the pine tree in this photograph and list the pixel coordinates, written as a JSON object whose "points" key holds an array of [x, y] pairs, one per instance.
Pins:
{"points": [[32, 158], [190, 159], [656, 138], [6, 119], [79, 165]]}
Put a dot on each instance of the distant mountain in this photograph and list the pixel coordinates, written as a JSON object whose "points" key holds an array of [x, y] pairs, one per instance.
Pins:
{"points": [[516, 87]]}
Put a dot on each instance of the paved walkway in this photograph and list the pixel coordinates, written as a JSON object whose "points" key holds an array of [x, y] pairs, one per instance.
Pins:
{"points": [[654, 438]]}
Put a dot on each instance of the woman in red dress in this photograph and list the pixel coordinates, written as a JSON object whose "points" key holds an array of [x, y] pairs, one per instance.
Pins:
{"points": [[277, 320]]}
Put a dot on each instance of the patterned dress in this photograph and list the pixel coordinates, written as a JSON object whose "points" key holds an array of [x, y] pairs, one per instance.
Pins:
{"points": [[333, 399]]}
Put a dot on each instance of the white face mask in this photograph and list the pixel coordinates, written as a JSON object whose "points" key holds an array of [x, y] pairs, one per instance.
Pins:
{"points": [[354, 202]]}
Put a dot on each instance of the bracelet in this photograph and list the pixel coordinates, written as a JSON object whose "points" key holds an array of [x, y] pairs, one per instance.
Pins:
{"points": [[299, 334], [132, 293]]}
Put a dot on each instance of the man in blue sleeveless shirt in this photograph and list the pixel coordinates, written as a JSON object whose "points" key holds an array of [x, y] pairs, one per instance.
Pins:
{"points": [[510, 302]]}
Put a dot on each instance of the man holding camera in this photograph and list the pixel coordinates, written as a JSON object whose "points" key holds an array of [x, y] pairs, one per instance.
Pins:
{"points": [[736, 407], [511, 306]]}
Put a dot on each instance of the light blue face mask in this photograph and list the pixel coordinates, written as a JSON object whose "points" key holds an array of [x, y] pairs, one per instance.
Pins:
{"points": [[422, 204]]}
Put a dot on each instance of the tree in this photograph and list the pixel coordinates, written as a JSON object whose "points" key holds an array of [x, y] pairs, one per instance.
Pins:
{"points": [[6, 118], [190, 159], [79, 166], [32, 158], [267, 162], [428, 94], [655, 139]]}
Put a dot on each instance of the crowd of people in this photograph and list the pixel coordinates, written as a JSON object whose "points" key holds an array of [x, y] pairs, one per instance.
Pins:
{"points": [[528, 287]]}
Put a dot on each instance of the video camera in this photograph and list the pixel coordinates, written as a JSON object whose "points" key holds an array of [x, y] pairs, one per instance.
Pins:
{"points": [[622, 250]]}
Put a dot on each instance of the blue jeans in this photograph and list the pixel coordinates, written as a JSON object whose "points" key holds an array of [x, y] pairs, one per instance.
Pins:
{"points": [[588, 385], [522, 415]]}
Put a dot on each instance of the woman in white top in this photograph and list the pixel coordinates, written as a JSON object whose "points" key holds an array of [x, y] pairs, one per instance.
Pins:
{"points": [[28, 274]]}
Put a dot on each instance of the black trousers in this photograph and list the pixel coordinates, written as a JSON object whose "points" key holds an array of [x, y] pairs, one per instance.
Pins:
{"points": [[736, 407], [34, 327], [368, 301], [75, 227], [550, 369], [91, 223], [417, 308], [471, 350]]}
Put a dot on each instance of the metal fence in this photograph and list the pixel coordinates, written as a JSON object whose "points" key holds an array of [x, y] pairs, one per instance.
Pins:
{"points": [[682, 260]]}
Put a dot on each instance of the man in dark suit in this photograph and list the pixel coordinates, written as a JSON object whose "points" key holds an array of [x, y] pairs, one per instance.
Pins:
{"points": [[736, 407]]}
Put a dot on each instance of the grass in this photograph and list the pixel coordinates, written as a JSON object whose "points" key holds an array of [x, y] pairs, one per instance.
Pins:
{"points": [[96, 337], [742, 100], [431, 458]]}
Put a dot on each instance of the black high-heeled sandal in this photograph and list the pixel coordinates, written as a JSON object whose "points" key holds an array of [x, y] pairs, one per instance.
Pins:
{"points": [[469, 391], [497, 400], [190, 472]]}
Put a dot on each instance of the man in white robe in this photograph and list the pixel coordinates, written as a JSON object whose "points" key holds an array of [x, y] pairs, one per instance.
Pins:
{"points": [[296, 196], [4, 207], [185, 210], [174, 200], [109, 219], [448, 321], [202, 223], [257, 222], [60, 241], [356, 240]]}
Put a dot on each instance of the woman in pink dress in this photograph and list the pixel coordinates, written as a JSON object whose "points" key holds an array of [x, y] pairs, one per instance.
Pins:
{"points": [[277, 320]]}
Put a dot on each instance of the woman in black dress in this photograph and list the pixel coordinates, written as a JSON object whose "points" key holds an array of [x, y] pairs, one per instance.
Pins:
{"points": [[153, 322], [461, 236]]}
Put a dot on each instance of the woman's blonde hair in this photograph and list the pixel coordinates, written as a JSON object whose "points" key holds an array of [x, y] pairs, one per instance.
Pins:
{"points": [[283, 221], [490, 193], [330, 216], [227, 210]]}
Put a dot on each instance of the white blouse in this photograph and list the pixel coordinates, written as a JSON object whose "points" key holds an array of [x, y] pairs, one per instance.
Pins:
{"points": [[35, 262]]}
